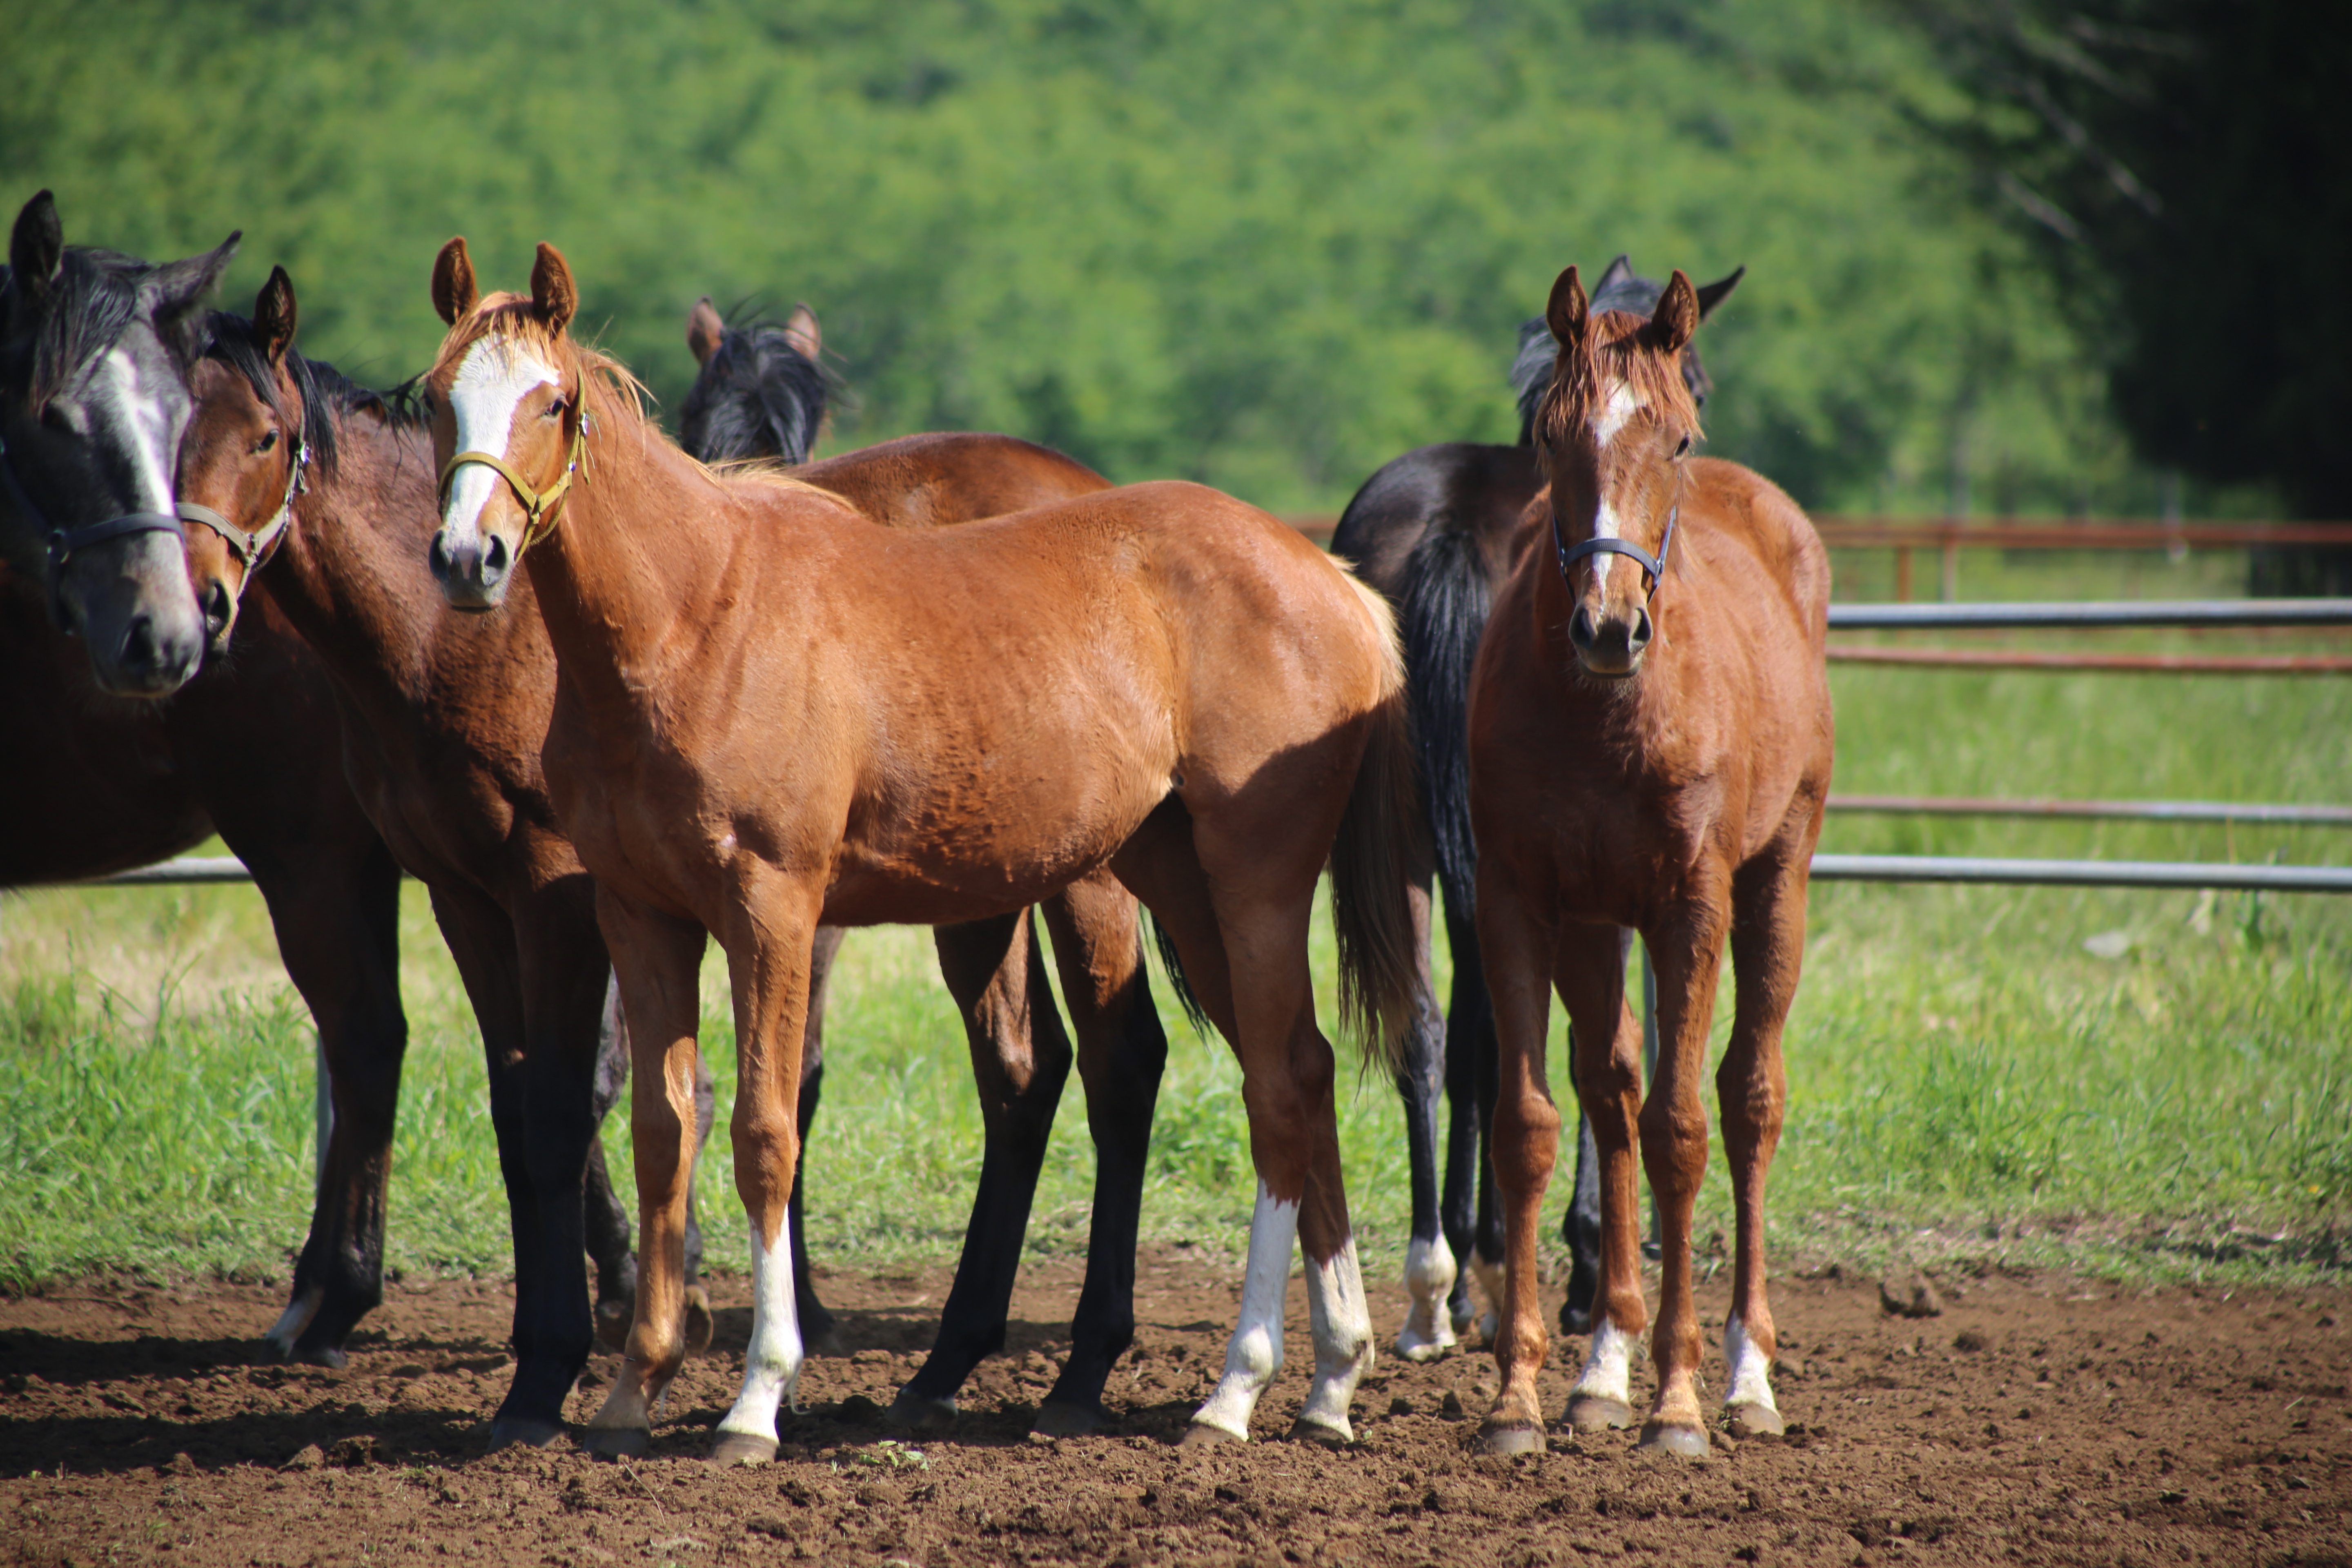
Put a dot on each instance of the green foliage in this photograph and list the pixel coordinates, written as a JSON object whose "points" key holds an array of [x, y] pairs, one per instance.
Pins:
{"points": [[1268, 247]]}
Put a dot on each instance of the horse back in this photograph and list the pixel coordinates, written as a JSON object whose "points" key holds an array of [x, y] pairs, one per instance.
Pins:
{"points": [[934, 480]]}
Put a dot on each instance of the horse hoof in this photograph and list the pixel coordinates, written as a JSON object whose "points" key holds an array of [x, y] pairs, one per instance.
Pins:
{"points": [[741, 1449], [331, 1357], [699, 1324], [1594, 1413], [531, 1432], [913, 1412], [1061, 1419], [1304, 1431], [1413, 1347], [613, 1319], [1508, 1440], [616, 1442], [1200, 1435], [1672, 1438], [1753, 1421]]}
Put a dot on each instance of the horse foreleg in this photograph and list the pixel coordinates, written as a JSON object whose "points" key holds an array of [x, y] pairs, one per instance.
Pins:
{"points": [[656, 957], [1020, 1060], [1518, 947], [1767, 945], [1430, 1272], [1098, 950], [1686, 948], [1605, 1051], [817, 1334], [771, 929]]}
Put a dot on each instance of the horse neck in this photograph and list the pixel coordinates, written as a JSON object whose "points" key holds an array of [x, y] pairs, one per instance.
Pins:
{"points": [[350, 573], [635, 568]]}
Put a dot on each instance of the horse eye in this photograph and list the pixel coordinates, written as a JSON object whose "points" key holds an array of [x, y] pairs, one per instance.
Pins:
{"points": [[1682, 445], [555, 409], [269, 440]]}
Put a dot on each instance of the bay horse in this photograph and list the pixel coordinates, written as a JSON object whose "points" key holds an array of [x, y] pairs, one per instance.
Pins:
{"points": [[1436, 530], [443, 712], [1650, 743], [92, 400], [94, 350], [773, 713]]}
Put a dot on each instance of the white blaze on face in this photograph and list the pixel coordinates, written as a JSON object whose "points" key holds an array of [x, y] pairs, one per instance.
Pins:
{"points": [[1622, 405], [494, 377], [1608, 1369], [1254, 1355], [772, 1364], [150, 423], [1751, 1368]]}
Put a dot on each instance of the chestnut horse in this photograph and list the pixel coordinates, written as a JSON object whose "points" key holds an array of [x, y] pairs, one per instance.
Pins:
{"points": [[1436, 530], [1650, 741], [773, 713], [443, 713]]}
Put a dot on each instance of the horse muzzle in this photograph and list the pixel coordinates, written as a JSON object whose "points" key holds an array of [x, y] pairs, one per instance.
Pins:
{"points": [[1610, 643], [473, 572]]}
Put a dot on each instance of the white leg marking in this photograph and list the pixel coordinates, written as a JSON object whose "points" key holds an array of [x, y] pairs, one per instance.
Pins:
{"points": [[294, 1319], [1429, 1273], [772, 1366], [1341, 1326], [1607, 1370], [494, 376], [1751, 1368], [1255, 1354], [1490, 1283]]}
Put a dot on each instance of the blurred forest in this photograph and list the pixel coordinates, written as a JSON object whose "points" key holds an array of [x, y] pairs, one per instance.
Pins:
{"points": [[1264, 246]]}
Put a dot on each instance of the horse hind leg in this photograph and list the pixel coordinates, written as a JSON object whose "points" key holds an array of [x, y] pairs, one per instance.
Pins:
{"points": [[1767, 937], [819, 1334], [1430, 1272], [1472, 1219], [608, 1220], [1122, 1049]]}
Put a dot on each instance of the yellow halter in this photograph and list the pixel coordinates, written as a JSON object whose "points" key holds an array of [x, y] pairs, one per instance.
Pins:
{"points": [[539, 507]]}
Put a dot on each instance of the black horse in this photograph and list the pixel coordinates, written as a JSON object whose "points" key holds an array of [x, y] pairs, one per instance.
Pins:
{"points": [[1436, 530]]}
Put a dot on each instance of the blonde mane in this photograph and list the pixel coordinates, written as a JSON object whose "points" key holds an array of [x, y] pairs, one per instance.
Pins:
{"points": [[1614, 350]]}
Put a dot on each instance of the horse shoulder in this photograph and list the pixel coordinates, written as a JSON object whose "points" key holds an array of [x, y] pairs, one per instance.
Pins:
{"points": [[1753, 510]]}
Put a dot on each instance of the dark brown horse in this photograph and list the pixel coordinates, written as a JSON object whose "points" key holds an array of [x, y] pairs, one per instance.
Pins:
{"points": [[442, 714], [1436, 530], [773, 714], [93, 404], [1650, 743]]}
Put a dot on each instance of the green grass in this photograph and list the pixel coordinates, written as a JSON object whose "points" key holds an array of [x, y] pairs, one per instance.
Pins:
{"points": [[1970, 1085]]}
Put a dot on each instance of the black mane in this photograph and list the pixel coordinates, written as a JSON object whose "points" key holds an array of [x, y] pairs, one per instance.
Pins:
{"points": [[758, 396], [326, 393], [93, 298]]}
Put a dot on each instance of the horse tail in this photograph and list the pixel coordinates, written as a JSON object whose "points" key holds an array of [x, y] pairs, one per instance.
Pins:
{"points": [[1446, 604], [1186, 997], [1370, 910]]}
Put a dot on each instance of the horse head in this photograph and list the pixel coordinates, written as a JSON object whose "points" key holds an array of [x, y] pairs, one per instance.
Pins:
{"points": [[95, 349], [762, 390], [1613, 431], [506, 395], [1619, 288], [259, 431]]}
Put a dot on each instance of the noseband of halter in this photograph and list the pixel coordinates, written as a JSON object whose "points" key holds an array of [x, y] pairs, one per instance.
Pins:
{"points": [[64, 543], [539, 506], [254, 550], [1654, 566]]}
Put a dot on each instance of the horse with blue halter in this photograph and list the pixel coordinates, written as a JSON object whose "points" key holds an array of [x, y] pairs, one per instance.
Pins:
{"points": [[1437, 531]]}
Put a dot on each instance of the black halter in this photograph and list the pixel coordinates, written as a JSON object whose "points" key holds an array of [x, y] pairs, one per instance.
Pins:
{"points": [[64, 543], [1654, 565]]}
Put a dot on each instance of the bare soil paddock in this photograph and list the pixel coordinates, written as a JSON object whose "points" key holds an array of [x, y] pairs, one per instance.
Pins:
{"points": [[2038, 1420]]}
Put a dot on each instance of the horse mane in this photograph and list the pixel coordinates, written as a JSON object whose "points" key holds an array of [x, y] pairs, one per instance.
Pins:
{"points": [[1531, 367], [93, 298], [614, 396], [325, 393], [758, 397], [1614, 350]]}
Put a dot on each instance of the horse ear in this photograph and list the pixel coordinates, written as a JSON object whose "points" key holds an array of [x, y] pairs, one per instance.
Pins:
{"points": [[553, 291], [1616, 272], [455, 292], [36, 248], [1676, 320], [273, 316], [802, 332], [703, 330], [1710, 295], [178, 291], [1568, 311]]}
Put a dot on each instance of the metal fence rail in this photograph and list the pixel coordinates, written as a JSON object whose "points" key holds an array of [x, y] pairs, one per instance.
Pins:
{"points": [[2120, 810], [2092, 615]]}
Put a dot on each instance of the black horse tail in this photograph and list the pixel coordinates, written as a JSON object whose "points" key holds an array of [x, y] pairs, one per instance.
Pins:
{"points": [[1174, 963], [1446, 602]]}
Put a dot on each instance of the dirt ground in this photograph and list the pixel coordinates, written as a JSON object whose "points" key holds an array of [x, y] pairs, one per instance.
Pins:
{"points": [[2036, 1420]]}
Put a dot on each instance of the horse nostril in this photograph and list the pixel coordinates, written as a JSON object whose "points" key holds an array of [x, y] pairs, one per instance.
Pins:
{"points": [[1581, 630], [1641, 638], [436, 555], [138, 648], [494, 559], [219, 610]]}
